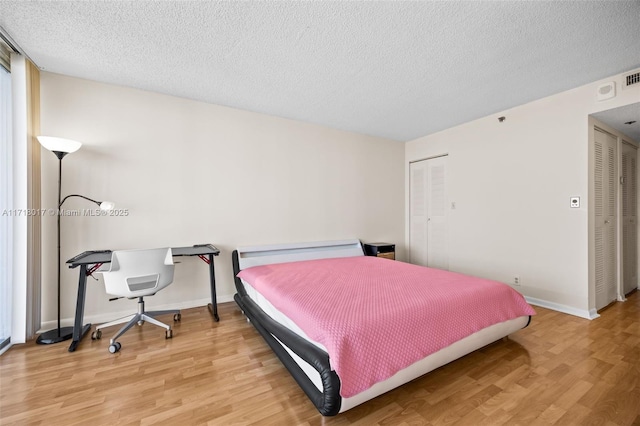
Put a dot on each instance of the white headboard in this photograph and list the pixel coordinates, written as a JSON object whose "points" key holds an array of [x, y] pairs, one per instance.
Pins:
{"points": [[280, 253]]}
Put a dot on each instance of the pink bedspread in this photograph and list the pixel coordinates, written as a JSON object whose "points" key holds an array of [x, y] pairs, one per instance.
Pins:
{"points": [[378, 316]]}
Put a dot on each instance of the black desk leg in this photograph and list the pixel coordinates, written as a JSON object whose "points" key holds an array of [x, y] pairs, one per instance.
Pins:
{"points": [[213, 306], [78, 330]]}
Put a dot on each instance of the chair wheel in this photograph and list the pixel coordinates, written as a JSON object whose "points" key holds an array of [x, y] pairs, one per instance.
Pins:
{"points": [[177, 317], [96, 335], [169, 334], [115, 347]]}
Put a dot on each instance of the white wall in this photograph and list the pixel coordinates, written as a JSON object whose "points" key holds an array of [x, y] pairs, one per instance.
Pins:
{"points": [[511, 183], [190, 172]]}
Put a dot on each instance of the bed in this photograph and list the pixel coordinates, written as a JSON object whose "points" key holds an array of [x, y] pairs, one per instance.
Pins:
{"points": [[350, 327]]}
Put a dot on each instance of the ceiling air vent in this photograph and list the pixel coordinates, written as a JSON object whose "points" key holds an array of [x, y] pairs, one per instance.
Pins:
{"points": [[630, 79]]}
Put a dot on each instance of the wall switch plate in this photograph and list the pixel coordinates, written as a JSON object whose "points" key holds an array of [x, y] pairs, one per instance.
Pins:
{"points": [[574, 202]]}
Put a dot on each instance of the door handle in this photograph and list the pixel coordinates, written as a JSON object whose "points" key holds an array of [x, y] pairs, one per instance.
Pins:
{"points": [[607, 221]]}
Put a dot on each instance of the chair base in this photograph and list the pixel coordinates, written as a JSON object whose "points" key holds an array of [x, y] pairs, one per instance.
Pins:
{"points": [[139, 318]]}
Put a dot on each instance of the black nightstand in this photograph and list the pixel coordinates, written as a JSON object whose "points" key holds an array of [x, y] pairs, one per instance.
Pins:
{"points": [[386, 250]]}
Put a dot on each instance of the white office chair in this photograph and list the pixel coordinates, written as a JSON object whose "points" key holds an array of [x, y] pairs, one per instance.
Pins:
{"points": [[137, 273]]}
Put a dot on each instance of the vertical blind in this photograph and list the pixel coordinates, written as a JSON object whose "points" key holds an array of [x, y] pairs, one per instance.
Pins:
{"points": [[5, 54], [21, 87], [6, 196], [6, 206]]}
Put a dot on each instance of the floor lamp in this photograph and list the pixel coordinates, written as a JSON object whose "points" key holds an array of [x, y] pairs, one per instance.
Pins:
{"points": [[61, 147]]}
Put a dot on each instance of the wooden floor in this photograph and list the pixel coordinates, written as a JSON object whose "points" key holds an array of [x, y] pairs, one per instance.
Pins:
{"points": [[560, 370]]}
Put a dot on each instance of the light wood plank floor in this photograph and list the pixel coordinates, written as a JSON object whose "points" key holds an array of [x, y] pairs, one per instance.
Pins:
{"points": [[560, 370]]}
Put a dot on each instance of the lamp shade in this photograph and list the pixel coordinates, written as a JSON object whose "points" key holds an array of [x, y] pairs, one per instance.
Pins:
{"points": [[59, 144], [107, 205]]}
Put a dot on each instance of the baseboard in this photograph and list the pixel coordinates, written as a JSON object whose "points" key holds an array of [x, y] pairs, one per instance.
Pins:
{"points": [[590, 314], [5, 348], [110, 316]]}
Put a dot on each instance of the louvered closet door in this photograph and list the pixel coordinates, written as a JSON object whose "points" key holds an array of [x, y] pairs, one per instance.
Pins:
{"points": [[418, 213], [629, 218], [605, 217], [428, 213]]}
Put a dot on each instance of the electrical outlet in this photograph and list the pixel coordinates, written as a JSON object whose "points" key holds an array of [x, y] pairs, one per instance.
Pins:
{"points": [[516, 280], [574, 202]]}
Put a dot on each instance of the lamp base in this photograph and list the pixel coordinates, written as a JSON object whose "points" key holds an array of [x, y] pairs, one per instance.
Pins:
{"points": [[55, 336]]}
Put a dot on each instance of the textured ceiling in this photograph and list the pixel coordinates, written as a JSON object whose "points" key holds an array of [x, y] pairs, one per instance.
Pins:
{"points": [[395, 69], [625, 119]]}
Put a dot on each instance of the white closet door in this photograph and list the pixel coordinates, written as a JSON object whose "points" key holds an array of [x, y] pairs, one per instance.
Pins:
{"points": [[428, 213], [629, 218], [418, 213], [437, 247], [605, 182]]}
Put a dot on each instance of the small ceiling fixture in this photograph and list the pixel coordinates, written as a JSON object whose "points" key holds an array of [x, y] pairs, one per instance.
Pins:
{"points": [[501, 119]]}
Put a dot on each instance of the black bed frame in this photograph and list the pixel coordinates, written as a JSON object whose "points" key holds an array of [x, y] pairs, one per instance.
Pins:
{"points": [[327, 402]]}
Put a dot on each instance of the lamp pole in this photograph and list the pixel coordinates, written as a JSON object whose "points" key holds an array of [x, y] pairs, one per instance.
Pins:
{"points": [[61, 147], [59, 334], [59, 202]]}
